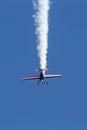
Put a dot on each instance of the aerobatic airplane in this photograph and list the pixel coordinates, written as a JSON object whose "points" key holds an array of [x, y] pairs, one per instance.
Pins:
{"points": [[42, 76]]}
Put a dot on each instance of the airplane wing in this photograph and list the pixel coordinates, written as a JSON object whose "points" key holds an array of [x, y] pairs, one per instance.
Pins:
{"points": [[30, 77], [52, 75]]}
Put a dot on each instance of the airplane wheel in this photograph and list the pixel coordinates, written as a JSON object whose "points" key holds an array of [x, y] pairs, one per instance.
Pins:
{"points": [[46, 83], [37, 83]]}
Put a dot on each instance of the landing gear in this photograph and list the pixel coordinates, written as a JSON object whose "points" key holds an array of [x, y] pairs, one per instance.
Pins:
{"points": [[46, 83], [37, 83]]}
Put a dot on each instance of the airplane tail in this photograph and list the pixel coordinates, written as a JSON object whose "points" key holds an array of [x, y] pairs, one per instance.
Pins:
{"points": [[41, 69]]}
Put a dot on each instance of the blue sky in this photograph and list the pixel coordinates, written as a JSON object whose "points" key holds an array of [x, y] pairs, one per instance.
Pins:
{"points": [[62, 105]]}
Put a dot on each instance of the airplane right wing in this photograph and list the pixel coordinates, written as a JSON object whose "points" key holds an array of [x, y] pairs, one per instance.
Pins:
{"points": [[52, 75], [30, 77]]}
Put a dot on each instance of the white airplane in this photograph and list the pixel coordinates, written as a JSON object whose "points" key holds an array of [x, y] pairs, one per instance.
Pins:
{"points": [[42, 76]]}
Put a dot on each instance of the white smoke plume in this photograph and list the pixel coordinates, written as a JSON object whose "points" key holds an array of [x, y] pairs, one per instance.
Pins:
{"points": [[41, 22]]}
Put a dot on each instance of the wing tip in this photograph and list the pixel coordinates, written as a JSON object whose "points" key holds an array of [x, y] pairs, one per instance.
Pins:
{"points": [[60, 75], [23, 78]]}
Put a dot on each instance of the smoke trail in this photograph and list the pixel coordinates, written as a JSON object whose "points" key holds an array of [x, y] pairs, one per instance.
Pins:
{"points": [[41, 22]]}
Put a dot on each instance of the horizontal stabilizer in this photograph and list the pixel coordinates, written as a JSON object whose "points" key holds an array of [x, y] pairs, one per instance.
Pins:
{"points": [[41, 69]]}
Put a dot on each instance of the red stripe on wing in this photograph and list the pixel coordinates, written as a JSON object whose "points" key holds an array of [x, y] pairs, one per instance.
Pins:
{"points": [[30, 77]]}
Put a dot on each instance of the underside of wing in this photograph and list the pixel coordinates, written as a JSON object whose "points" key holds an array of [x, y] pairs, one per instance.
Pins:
{"points": [[30, 77], [52, 75]]}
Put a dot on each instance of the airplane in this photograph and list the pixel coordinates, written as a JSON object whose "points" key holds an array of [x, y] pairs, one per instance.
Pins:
{"points": [[42, 76]]}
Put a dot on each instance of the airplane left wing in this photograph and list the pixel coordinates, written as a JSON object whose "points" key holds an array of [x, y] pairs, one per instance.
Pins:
{"points": [[52, 75], [30, 77]]}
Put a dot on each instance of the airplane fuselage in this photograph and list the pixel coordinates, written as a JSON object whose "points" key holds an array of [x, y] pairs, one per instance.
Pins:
{"points": [[41, 76]]}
